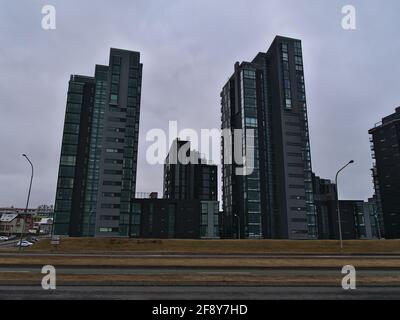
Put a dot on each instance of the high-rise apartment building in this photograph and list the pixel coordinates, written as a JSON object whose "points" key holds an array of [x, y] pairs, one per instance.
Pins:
{"points": [[268, 96], [193, 178], [386, 153], [97, 173], [188, 176]]}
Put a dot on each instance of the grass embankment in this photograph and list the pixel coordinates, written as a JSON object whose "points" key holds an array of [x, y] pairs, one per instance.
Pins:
{"points": [[217, 262], [93, 245]]}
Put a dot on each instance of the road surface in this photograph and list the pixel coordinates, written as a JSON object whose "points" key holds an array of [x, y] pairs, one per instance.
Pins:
{"points": [[216, 293]]}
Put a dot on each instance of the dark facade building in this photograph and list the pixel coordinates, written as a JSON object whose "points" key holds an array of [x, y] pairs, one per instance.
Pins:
{"points": [[164, 219], [386, 153], [268, 97], [174, 219], [196, 179], [97, 173], [353, 220], [190, 178], [357, 217], [325, 205]]}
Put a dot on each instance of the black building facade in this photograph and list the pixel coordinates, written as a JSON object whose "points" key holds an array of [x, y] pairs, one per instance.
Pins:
{"points": [[196, 179], [325, 205], [97, 173], [355, 215], [165, 219], [386, 153], [267, 95]]}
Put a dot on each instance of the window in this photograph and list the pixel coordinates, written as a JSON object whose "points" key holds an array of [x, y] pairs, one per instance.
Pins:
{"points": [[253, 185], [113, 172], [254, 218], [114, 99], [299, 232], [249, 83], [111, 195], [71, 128], [110, 206], [296, 165], [294, 144], [113, 161], [254, 207], [109, 229], [295, 154], [298, 60], [298, 209], [298, 197], [114, 150], [72, 118], [68, 160], [112, 183], [75, 98], [109, 218], [116, 119], [112, 129], [293, 134], [73, 108], [116, 60], [136, 208], [299, 176], [251, 122], [67, 171], [296, 186], [253, 195], [67, 183], [118, 140], [249, 74]]}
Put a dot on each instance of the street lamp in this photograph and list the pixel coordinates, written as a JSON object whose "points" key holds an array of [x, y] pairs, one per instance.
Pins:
{"points": [[337, 203], [238, 219], [27, 202]]}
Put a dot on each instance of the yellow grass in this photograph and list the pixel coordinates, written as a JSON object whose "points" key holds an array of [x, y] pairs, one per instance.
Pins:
{"points": [[60, 261], [91, 245]]}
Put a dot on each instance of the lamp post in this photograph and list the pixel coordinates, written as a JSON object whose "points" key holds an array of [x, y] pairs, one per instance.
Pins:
{"points": [[337, 203], [27, 202], [238, 219]]}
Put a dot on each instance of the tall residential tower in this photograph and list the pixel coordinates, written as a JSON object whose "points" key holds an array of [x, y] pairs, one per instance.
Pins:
{"points": [[97, 173], [386, 153], [268, 95]]}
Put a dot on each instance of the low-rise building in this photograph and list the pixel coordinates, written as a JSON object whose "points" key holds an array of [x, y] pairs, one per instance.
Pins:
{"points": [[174, 219], [14, 223], [43, 226]]}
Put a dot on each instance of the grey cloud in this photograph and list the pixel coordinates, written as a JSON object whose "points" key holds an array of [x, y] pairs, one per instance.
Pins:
{"points": [[188, 49]]}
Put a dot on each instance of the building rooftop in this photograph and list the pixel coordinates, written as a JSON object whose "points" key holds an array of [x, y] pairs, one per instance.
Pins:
{"points": [[8, 217]]}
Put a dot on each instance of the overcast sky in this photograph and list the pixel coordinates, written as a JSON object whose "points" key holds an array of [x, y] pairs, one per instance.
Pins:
{"points": [[188, 49]]}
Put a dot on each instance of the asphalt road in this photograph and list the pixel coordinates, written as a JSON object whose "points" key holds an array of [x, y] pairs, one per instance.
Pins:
{"points": [[196, 293]]}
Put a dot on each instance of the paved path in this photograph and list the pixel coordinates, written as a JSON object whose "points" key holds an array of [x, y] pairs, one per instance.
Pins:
{"points": [[197, 293]]}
